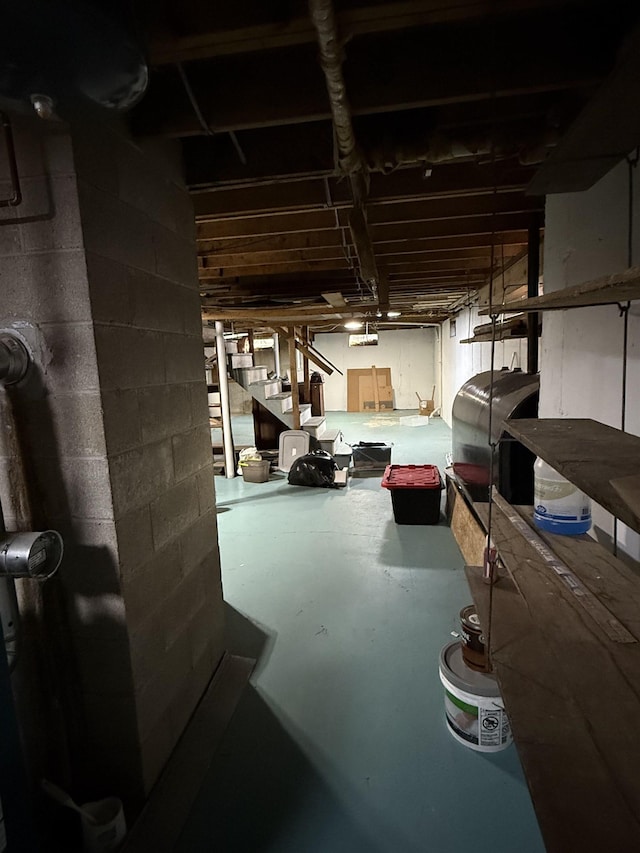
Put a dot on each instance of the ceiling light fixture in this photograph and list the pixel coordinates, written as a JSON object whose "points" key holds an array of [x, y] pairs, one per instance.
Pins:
{"points": [[353, 324], [392, 314]]}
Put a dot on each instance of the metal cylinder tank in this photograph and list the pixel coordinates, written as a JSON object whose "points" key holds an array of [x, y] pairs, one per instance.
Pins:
{"points": [[515, 395]]}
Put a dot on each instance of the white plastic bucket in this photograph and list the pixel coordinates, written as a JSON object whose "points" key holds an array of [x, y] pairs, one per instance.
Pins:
{"points": [[474, 709], [558, 506], [109, 829]]}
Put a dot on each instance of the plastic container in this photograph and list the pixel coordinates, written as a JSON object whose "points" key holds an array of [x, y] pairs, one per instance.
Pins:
{"points": [[292, 444], [371, 455], [414, 421], [107, 830], [415, 493], [473, 706], [558, 506], [254, 471]]}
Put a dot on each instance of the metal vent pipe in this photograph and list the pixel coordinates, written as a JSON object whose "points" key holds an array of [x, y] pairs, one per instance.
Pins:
{"points": [[331, 57]]}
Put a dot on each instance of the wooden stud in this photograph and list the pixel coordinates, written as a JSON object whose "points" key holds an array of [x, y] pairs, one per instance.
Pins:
{"points": [[293, 375]]}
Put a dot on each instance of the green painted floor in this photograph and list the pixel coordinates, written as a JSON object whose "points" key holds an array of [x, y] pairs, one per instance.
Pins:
{"points": [[339, 745]]}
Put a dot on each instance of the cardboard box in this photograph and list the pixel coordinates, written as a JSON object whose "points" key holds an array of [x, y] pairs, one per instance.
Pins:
{"points": [[360, 393]]}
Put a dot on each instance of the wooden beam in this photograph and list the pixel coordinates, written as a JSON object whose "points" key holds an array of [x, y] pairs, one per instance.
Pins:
{"points": [[312, 356], [300, 156], [289, 313], [282, 244], [294, 197], [235, 94], [207, 272], [207, 37], [447, 180], [303, 226], [335, 299], [607, 290], [307, 375], [242, 259], [293, 377]]}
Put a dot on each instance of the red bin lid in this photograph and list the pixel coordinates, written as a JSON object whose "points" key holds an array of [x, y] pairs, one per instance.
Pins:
{"points": [[411, 477]]}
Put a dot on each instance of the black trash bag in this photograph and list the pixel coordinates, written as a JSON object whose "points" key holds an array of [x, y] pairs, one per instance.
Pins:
{"points": [[314, 469]]}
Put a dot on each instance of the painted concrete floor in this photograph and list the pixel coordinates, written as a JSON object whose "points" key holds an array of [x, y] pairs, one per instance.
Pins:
{"points": [[339, 745]]}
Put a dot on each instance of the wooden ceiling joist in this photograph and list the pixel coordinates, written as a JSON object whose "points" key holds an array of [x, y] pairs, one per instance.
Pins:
{"points": [[449, 134], [225, 34], [387, 72]]}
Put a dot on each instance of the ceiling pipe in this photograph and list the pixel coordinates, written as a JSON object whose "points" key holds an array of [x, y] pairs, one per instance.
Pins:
{"points": [[350, 157], [16, 193], [331, 58]]}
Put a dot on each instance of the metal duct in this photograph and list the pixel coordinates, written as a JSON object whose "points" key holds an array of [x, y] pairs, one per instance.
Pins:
{"points": [[350, 157], [331, 57]]}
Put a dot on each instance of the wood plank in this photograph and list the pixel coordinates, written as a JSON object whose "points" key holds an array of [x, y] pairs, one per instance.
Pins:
{"points": [[376, 391], [293, 377], [629, 490], [307, 375], [611, 627], [286, 313], [587, 453], [204, 41], [235, 94], [312, 355], [569, 690], [607, 290], [467, 531], [509, 330], [574, 785], [335, 299], [605, 575]]}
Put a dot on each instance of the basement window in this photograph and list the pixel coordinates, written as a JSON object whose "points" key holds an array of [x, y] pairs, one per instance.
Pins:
{"points": [[368, 340]]}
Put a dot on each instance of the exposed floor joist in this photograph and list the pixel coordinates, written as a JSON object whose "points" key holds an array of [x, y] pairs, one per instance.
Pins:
{"points": [[453, 106]]}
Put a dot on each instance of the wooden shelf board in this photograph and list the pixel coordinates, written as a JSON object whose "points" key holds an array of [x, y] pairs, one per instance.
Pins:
{"points": [[572, 694], [484, 338], [587, 453], [607, 290]]}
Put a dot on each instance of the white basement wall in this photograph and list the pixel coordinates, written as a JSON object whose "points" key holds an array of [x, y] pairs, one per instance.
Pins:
{"points": [[581, 349], [462, 361], [412, 355]]}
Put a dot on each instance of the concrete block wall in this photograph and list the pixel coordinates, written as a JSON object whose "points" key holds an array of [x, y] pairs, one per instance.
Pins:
{"points": [[55, 474], [139, 238], [109, 443]]}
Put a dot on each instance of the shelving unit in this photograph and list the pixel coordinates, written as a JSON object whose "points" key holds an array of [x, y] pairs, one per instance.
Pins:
{"points": [[568, 662], [509, 330], [607, 290], [589, 454], [572, 694]]}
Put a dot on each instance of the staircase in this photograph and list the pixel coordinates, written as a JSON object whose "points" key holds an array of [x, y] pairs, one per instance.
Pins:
{"points": [[269, 393]]}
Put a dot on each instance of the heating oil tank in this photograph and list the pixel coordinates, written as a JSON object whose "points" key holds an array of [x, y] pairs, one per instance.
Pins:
{"points": [[515, 395]]}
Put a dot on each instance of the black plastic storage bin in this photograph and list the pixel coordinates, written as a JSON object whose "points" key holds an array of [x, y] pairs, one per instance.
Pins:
{"points": [[371, 455], [415, 493]]}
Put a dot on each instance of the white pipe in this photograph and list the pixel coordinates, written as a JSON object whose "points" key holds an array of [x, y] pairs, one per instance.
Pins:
{"points": [[439, 334], [276, 353], [223, 384]]}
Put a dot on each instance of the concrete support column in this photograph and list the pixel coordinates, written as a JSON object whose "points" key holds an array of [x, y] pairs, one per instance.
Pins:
{"points": [[108, 441]]}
